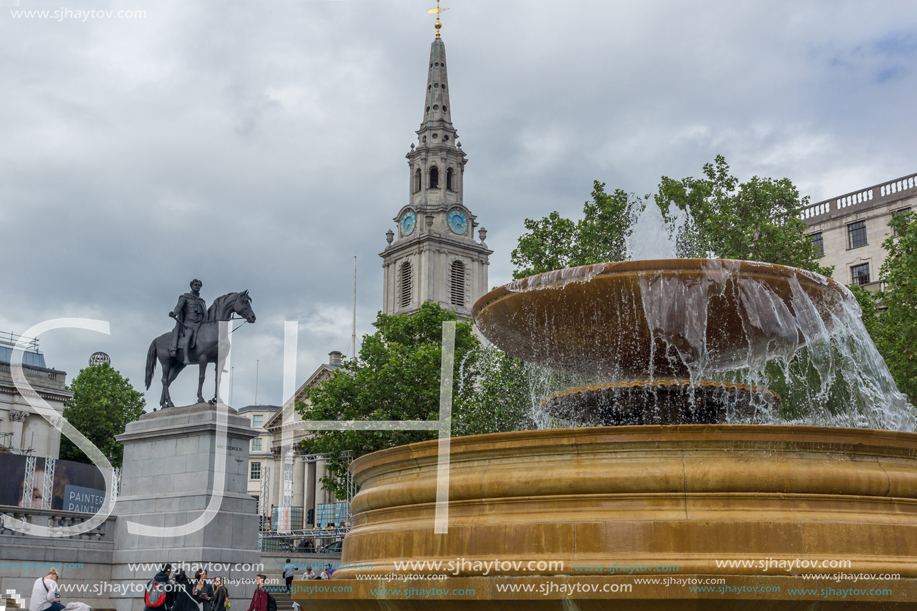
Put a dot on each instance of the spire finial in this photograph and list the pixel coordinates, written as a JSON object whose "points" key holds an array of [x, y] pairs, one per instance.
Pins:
{"points": [[436, 11]]}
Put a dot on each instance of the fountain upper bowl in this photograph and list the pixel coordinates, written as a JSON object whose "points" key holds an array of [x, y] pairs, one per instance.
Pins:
{"points": [[660, 318]]}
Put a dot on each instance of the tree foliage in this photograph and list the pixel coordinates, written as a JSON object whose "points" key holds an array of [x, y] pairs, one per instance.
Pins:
{"points": [[555, 242], [890, 315], [396, 376], [756, 220], [103, 403]]}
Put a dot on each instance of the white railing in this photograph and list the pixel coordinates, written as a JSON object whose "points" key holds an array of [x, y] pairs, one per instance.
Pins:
{"points": [[854, 198], [875, 194], [35, 373], [55, 518], [908, 183], [816, 210]]}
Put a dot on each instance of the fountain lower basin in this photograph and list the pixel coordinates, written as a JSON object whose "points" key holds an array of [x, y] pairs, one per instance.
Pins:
{"points": [[693, 496]]}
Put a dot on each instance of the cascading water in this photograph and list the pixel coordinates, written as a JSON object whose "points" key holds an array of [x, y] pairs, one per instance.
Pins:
{"points": [[666, 340]]}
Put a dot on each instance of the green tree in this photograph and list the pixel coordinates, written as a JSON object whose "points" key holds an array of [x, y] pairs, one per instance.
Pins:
{"points": [[502, 398], [890, 315], [395, 377], [756, 220], [555, 242], [103, 403]]}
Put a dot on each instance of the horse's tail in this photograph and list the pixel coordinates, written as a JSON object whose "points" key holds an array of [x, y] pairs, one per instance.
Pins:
{"points": [[150, 363]]}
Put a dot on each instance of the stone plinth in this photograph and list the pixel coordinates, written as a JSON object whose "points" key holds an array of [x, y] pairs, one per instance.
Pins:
{"points": [[170, 471], [565, 506]]}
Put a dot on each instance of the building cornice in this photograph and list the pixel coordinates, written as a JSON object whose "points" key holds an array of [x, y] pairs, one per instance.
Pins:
{"points": [[8, 388], [424, 240]]}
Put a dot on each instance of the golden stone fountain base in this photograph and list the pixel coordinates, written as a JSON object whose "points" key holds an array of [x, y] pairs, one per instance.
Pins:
{"points": [[704, 498]]}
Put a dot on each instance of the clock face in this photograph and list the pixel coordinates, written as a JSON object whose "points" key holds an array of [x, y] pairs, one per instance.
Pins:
{"points": [[458, 222], [408, 222]]}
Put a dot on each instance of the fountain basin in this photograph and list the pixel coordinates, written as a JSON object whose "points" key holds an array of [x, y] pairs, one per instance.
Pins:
{"points": [[688, 495], [693, 497], [667, 318]]}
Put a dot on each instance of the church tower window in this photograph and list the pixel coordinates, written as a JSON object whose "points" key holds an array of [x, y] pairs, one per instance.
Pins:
{"points": [[406, 284], [449, 179], [458, 283], [417, 180], [434, 177]]}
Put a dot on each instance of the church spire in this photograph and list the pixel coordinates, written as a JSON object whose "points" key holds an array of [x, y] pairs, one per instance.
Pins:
{"points": [[437, 112]]}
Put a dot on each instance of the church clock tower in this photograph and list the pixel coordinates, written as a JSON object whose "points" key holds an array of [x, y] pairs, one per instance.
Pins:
{"points": [[435, 256]]}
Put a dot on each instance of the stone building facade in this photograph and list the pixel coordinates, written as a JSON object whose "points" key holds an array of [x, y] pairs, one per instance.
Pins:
{"points": [[434, 255], [260, 457], [852, 227], [21, 429], [266, 462]]}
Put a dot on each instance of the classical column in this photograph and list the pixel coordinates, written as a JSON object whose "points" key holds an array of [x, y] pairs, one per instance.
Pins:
{"points": [[17, 422]]}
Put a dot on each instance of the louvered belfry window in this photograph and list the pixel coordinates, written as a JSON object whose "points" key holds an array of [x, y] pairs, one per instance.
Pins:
{"points": [[405, 284], [458, 283]]}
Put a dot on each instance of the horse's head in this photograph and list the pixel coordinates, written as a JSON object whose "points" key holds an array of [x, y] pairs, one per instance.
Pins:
{"points": [[243, 306]]}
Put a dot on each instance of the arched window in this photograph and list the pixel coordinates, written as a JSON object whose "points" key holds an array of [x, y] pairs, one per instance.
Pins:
{"points": [[458, 283], [405, 284], [434, 177], [449, 179], [417, 179]]}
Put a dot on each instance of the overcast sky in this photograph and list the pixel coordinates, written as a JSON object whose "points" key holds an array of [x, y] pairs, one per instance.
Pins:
{"points": [[260, 145]]}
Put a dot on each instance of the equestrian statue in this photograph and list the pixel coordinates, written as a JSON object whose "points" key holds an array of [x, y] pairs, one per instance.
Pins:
{"points": [[195, 339]]}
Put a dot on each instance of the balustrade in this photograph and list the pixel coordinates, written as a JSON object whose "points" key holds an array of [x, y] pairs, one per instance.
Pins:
{"points": [[876, 195], [55, 519]]}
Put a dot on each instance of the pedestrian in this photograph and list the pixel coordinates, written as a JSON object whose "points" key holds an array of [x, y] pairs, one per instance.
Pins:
{"points": [[325, 574], [259, 598], [184, 601], [289, 572], [220, 600], [308, 574], [203, 591], [44, 593], [330, 569], [161, 583]]}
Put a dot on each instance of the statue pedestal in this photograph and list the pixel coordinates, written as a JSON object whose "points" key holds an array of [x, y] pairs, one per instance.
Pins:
{"points": [[176, 461]]}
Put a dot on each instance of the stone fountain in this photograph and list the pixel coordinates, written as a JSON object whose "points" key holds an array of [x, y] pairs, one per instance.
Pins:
{"points": [[658, 329], [683, 486]]}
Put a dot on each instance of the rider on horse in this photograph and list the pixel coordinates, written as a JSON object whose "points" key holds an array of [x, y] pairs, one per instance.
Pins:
{"points": [[188, 314]]}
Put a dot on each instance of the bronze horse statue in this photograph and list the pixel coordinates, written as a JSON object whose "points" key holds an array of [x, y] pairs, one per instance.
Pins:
{"points": [[205, 349]]}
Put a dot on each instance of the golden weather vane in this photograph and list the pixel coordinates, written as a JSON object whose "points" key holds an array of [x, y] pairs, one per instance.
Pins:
{"points": [[436, 11]]}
